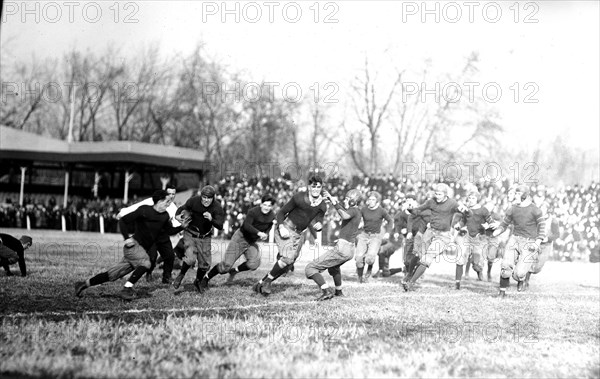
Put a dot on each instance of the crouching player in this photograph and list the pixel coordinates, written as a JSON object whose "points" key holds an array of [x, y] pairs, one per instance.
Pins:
{"points": [[292, 220], [523, 246], [12, 251], [149, 222], [472, 243], [343, 250], [256, 226]]}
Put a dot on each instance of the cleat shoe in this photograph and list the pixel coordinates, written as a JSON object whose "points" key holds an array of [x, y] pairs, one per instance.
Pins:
{"points": [[408, 286], [167, 281], [480, 276], [257, 287], [201, 285], [326, 295], [79, 287], [500, 294], [177, 281], [361, 279], [339, 293], [127, 293], [231, 277], [520, 286], [266, 287], [457, 285]]}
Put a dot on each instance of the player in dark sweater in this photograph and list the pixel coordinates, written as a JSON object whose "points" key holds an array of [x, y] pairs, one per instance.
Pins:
{"points": [[523, 247], [12, 251], [205, 213], [292, 219], [343, 250], [256, 226], [471, 238], [148, 224], [438, 236], [370, 239]]}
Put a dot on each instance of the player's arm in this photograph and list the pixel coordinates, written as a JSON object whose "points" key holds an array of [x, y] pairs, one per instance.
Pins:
{"points": [[318, 219], [285, 210], [126, 223], [426, 205], [508, 220], [218, 218], [248, 225], [389, 226], [22, 266], [540, 219]]}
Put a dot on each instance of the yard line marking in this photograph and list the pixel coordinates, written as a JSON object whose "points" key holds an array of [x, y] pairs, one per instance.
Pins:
{"points": [[250, 306]]}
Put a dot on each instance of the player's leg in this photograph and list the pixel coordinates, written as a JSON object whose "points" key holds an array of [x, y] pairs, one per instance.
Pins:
{"points": [[288, 251], [476, 256], [546, 250], [463, 252], [236, 247], [435, 242], [204, 254], [252, 263], [345, 253], [362, 246], [511, 255], [189, 258], [165, 249], [527, 257], [372, 250], [313, 271]]}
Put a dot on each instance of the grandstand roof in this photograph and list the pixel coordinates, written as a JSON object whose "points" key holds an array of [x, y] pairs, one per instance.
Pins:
{"points": [[25, 146]]}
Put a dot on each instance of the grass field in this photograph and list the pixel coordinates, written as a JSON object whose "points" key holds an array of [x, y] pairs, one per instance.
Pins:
{"points": [[377, 330]]}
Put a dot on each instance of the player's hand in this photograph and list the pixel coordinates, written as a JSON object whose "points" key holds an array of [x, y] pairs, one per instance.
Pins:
{"points": [[386, 236], [207, 216], [409, 235], [283, 232], [318, 226], [263, 236], [396, 235], [129, 242], [497, 232], [186, 222]]}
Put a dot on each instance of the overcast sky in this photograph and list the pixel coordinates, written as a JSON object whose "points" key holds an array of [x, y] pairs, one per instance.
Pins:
{"points": [[552, 45]]}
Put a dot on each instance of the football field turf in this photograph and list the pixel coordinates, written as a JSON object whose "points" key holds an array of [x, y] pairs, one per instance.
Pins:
{"points": [[376, 330]]}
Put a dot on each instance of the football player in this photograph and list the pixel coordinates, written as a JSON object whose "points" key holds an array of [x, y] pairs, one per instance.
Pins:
{"points": [[256, 226], [343, 250], [438, 236], [523, 246], [369, 240], [292, 220]]}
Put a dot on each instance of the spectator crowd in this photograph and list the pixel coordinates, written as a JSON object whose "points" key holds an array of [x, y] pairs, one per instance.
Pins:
{"points": [[575, 208]]}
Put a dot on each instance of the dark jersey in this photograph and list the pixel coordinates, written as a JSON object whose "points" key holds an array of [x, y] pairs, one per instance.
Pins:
{"points": [[349, 228], [256, 222], [299, 211], [418, 222], [199, 222], [474, 219], [528, 221], [10, 244], [148, 224], [373, 218], [441, 213]]}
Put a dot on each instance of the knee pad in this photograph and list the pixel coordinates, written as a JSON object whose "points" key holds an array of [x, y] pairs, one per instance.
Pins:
{"points": [[223, 268], [253, 264], [310, 271]]}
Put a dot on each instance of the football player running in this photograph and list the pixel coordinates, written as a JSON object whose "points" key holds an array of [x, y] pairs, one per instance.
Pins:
{"points": [[344, 247]]}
